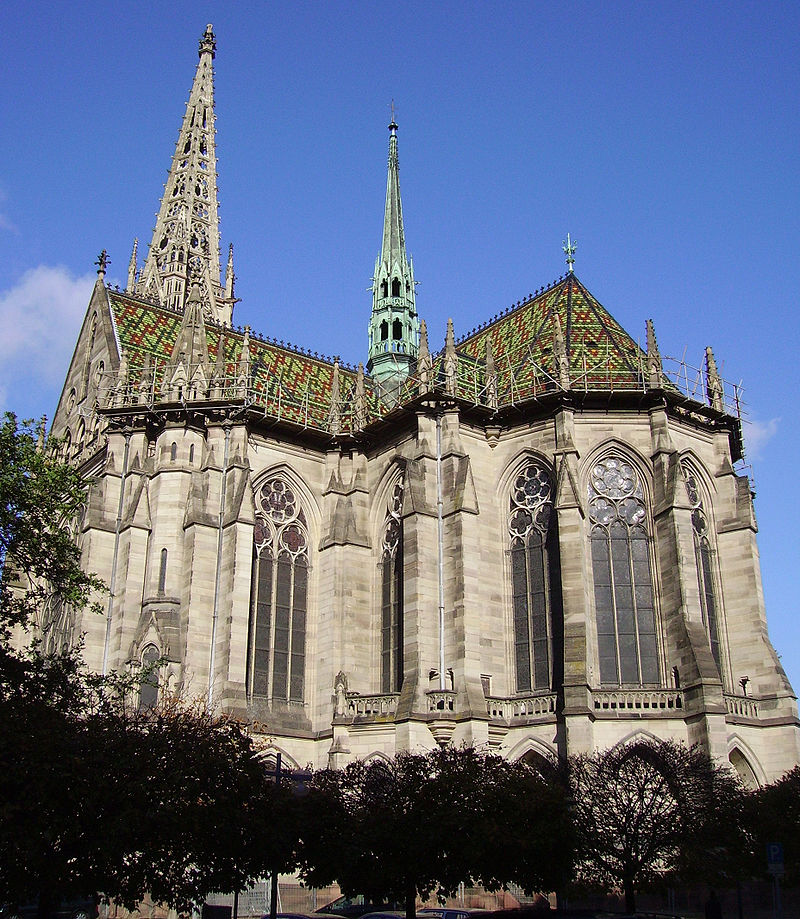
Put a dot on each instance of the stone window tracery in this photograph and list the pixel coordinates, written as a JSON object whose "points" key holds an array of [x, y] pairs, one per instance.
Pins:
{"points": [[148, 688], [279, 594], [623, 584], [535, 575], [391, 571], [704, 555]]}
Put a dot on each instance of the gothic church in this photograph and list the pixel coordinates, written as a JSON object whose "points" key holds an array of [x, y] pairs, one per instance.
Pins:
{"points": [[534, 540]]}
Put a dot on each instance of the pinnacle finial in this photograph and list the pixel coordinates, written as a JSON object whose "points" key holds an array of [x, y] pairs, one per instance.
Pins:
{"points": [[102, 264], [714, 385], [570, 247], [132, 265], [208, 43]]}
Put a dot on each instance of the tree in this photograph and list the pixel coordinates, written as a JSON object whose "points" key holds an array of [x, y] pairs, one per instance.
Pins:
{"points": [[96, 795], [775, 816], [424, 822], [40, 501], [648, 810]]}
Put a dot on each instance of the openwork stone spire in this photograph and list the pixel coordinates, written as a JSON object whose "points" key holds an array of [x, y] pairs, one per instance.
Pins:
{"points": [[185, 246], [394, 325]]}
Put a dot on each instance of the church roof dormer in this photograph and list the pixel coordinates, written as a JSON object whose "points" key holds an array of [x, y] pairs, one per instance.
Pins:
{"points": [[394, 324], [186, 247]]}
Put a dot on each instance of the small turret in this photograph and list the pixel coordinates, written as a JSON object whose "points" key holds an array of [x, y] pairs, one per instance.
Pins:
{"points": [[450, 359], [424, 360], [714, 383], [655, 368], [335, 413], [132, 266]]}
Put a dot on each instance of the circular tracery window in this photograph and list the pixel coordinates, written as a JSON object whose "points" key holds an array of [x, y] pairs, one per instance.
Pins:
{"points": [[531, 502], [280, 520], [615, 493]]}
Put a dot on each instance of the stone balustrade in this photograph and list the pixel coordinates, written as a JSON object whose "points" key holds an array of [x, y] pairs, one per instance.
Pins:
{"points": [[369, 707], [741, 706], [651, 701], [441, 700], [516, 707]]}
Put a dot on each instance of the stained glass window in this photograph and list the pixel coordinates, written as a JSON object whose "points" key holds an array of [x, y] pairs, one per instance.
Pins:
{"points": [[535, 576], [704, 556], [623, 585], [279, 594], [391, 571]]}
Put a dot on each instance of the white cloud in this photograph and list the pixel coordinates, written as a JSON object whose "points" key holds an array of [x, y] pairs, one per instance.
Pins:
{"points": [[40, 317], [757, 434]]}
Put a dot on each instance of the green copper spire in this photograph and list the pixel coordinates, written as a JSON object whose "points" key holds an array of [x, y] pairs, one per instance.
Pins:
{"points": [[394, 325]]}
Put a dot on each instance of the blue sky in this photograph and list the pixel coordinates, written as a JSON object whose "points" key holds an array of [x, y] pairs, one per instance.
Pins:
{"points": [[663, 137]]}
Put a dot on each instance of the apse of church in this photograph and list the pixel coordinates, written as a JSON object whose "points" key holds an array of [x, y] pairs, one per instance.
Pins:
{"points": [[534, 539]]}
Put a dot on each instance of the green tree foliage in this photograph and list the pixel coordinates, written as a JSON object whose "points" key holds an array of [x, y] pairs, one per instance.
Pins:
{"points": [[652, 809], [41, 500], [97, 795], [421, 823], [775, 816]]}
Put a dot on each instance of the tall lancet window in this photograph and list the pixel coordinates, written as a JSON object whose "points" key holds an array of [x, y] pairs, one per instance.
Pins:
{"points": [[534, 576], [704, 555], [279, 594], [391, 569], [623, 582]]}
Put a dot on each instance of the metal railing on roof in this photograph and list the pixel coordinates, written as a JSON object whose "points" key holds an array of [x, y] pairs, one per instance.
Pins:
{"points": [[517, 378]]}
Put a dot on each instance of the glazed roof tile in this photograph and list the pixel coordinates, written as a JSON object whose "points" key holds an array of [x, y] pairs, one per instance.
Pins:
{"points": [[298, 383], [600, 352]]}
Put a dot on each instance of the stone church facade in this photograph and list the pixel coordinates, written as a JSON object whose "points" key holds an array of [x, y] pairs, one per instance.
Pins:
{"points": [[534, 540]]}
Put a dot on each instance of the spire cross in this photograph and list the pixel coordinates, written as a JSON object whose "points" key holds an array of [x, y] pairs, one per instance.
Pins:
{"points": [[392, 123], [570, 246]]}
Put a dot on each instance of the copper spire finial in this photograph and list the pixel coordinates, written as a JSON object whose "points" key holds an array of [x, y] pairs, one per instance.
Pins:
{"points": [[570, 246]]}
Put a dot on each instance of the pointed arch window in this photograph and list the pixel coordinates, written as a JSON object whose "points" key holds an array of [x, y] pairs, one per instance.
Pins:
{"points": [[535, 576], [279, 595], [391, 573], [397, 329], [704, 555], [395, 287], [148, 688], [623, 583]]}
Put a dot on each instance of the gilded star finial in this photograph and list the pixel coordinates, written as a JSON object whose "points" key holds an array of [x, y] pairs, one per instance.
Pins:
{"points": [[570, 246]]}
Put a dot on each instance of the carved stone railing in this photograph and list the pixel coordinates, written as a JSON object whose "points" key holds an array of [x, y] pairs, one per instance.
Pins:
{"points": [[539, 706], [441, 701], [741, 706], [652, 701], [369, 707]]}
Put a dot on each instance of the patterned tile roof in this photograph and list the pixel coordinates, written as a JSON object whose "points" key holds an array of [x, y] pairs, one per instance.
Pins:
{"points": [[297, 387], [292, 385], [600, 352]]}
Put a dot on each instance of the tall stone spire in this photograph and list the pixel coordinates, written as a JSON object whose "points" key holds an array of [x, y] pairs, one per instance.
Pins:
{"points": [[394, 325], [185, 245]]}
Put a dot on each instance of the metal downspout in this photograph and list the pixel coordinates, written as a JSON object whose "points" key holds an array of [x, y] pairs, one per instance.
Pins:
{"points": [[218, 574], [440, 536], [117, 527]]}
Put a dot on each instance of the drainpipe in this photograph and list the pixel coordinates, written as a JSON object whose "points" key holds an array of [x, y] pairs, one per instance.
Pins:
{"points": [[218, 575], [440, 536], [117, 527]]}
